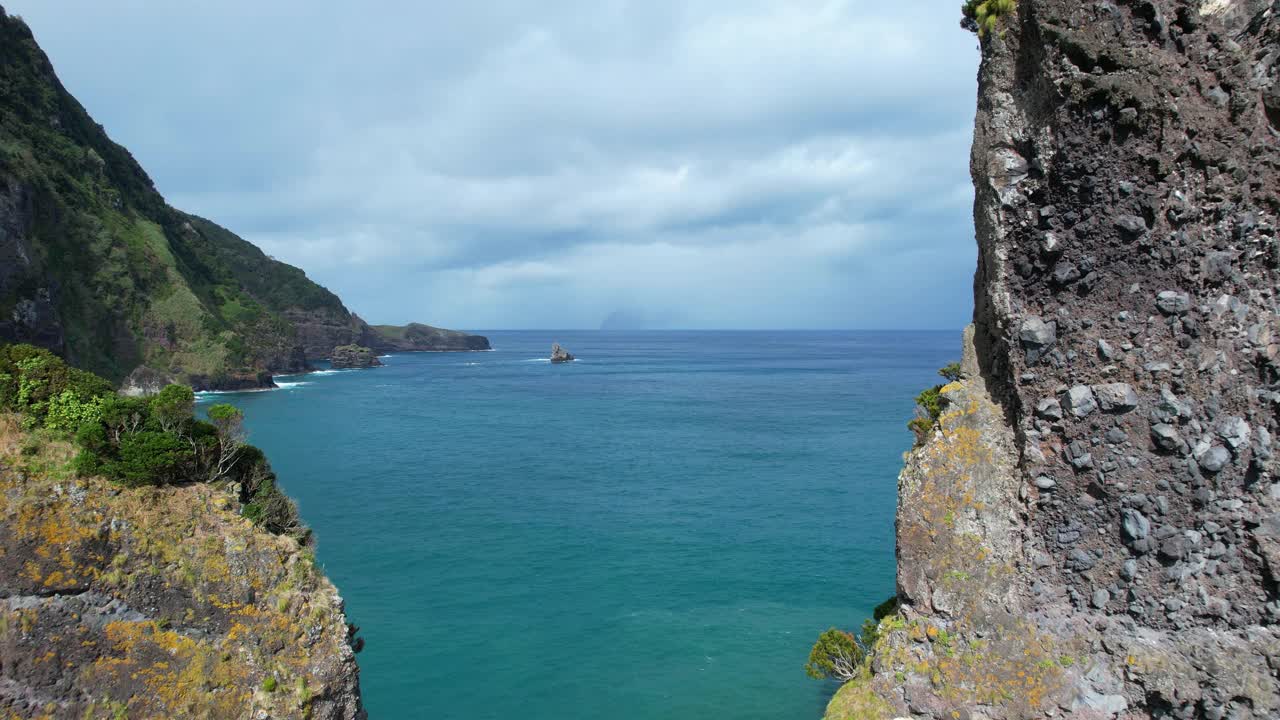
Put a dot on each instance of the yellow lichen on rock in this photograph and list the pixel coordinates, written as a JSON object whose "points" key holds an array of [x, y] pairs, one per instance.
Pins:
{"points": [[158, 603]]}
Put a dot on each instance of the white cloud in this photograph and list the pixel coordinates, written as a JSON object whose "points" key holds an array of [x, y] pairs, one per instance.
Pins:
{"points": [[714, 163]]}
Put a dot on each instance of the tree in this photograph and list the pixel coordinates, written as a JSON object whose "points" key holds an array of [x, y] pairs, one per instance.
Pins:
{"points": [[228, 420], [172, 407], [950, 371], [149, 458], [836, 655]]}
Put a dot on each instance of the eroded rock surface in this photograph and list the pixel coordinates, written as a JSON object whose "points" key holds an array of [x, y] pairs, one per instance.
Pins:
{"points": [[1092, 531], [157, 603]]}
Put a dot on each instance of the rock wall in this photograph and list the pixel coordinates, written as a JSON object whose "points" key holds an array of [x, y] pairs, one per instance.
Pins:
{"points": [[1108, 543], [156, 603]]}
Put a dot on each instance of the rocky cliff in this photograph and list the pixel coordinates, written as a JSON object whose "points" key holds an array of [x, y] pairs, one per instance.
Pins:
{"points": [[97, 267], [157, 602], [1093, 529]]}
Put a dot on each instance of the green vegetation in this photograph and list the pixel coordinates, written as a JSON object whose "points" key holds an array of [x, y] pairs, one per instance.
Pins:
{"points": [[836, 655], [142, 441], [982, 16], [930, 403], [138, 282], [841, 655]]}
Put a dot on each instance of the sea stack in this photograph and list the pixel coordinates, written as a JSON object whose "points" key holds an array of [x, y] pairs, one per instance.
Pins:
{"points": [[559, 354], [353, 356]]}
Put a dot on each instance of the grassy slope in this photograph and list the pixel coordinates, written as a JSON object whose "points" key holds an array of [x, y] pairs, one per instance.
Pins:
{"points": [[136, 281]]}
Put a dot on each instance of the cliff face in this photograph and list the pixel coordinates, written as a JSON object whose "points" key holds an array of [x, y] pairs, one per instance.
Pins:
{"points": [[95, 266], [1095, 527], [156, 603]]}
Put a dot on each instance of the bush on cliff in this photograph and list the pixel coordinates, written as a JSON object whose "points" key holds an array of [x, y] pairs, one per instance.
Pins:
{"points": [[839, 655], [143, 441], [929, 404], [982, 16], [836, 655]]}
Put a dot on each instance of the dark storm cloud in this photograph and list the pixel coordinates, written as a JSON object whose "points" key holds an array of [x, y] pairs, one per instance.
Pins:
{"points": [[514, 164]]}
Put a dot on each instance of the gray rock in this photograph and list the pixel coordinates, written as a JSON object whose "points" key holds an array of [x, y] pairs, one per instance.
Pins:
{"points": [[1099, 598], [560, 355], [1115, 436], [1129, 570], [1105, 351], [1065, 273], [1235, 431], [1171, 302], [1080, 455], [1049, 409], [1131, 224], [1037, 336], [1166, 437], [1078, 559], [1116, 397], [1214, 459], [1175, 547], [1044, 482], [1134, 524], [1080, 401]]}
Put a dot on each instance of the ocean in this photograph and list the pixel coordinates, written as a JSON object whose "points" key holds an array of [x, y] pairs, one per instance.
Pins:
{"points": [[659, 530]]}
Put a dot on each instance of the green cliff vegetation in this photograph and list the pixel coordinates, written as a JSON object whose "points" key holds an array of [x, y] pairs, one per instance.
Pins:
{"points": [[107, 273], [983, 16], [142, 441], [930, 402]]}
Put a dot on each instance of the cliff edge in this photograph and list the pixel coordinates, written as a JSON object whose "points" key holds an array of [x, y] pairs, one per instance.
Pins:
{"points": [[1093, 528], [158, 602]]}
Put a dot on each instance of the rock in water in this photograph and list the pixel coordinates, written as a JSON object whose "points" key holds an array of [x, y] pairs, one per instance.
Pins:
{"points": [[354, 356], [559, 354]]}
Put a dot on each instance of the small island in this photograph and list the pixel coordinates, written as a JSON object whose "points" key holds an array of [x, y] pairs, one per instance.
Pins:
{"points": [[346, 357], [559, 354]]}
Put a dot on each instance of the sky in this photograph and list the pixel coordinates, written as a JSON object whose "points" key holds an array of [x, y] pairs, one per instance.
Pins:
{"points": [[511, 164]]}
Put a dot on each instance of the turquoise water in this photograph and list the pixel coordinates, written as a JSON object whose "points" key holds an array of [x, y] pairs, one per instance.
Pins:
{"points": [[659, 530]]}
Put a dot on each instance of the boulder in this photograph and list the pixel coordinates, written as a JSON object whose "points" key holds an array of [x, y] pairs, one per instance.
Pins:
{"points": [[1116, 397], [1080, 400], [559, 354], [347, 357]]}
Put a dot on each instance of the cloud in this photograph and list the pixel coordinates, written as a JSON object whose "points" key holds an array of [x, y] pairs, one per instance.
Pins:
{"points": [[508, 164]]}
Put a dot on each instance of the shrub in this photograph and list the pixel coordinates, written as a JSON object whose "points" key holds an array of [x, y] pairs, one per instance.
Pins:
{"points": [[929, 403], [982, 16], [143, 441], [149, 458], [836, 656], [950, 371], [67, 411], [228, 422], [30, 377], [172, 407]]}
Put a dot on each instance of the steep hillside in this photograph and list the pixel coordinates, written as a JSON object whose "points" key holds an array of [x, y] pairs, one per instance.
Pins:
{"points": [[1093, 528], [97, 267]]}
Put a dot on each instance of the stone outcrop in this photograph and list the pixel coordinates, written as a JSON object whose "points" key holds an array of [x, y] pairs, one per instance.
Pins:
{"points": [[1093, 531], [416, 337], [560, 355], [157, 603], [353, 356]]}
